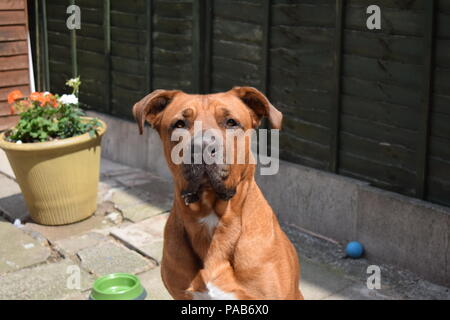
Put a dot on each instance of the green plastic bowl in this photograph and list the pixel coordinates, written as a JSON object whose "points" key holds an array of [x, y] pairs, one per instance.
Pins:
{"points": [[118, 286]]}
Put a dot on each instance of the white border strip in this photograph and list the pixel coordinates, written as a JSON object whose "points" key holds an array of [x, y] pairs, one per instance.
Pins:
{"points": [[30, 65]]}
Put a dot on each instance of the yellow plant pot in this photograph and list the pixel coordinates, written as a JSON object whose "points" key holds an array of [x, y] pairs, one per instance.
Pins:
{"points": [[58, 179]]}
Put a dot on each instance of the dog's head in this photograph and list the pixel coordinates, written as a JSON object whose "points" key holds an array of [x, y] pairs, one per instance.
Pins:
{"points": [[196, 130]]}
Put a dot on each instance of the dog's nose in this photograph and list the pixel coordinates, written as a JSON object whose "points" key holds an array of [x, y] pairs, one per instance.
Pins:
{"points": [[203, 146]]}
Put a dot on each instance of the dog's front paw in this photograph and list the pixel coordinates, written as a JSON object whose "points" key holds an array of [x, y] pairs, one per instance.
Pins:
{"points": [[190, 197], [198, 283]]}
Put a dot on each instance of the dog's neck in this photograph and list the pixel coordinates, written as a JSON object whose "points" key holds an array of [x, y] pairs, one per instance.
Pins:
{"points": [[200, 219]]}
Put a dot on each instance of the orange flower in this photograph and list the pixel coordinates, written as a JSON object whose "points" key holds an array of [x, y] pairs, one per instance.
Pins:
{"points": [[38, 97], [43, 99], [11, 109], [14, 95], [48, 99], [43, 102], [35, 96], [53, 101]]}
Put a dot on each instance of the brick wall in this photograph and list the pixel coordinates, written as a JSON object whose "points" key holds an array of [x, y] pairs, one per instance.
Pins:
{"points": [[14, 66]]}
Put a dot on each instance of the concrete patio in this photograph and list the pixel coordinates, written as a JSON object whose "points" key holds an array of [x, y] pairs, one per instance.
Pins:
{"points": [[126, 235]]}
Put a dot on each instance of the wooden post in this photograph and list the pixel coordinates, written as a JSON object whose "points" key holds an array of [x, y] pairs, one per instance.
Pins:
{"points": [[149, 47], [426, 102], [208, 46], [107, 42], [265, 61], [265, 68], [73, 48], [38, 47], [336, 107], [45, 47], [201, 45]]}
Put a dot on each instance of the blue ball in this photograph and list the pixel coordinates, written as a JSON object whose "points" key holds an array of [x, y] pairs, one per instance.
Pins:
{"points": [[354, 249]]}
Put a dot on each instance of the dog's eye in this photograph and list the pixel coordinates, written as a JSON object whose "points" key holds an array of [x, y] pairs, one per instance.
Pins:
{"points": [[231, 123], [179, 124]]}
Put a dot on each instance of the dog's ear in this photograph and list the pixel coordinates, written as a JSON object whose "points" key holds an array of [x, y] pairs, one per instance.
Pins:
{"points": [[260, 105], [150, 107]]}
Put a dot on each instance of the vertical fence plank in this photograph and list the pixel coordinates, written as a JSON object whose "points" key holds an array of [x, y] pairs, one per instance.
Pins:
{"points": [[73, 48], [107, 43], [265, 61], [201, 45], [38, 46], [265, 66], [197, 57], [149, 46], [426, 101], [208, 46], [45, 47], [336, 107]]}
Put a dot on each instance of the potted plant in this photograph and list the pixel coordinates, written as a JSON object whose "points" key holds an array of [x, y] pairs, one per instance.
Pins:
{"points": [[54, 151]]}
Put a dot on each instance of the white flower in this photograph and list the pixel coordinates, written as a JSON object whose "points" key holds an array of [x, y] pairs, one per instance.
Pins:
{"points": [[19, 142], [73, 82], [68, 99]]}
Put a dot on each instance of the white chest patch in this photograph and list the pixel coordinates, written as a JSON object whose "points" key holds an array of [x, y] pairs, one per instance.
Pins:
{"points": [[210, 221], [213, 293]]}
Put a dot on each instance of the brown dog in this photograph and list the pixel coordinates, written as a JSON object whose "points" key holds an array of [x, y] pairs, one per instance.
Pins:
{"points": [[222, 239]]}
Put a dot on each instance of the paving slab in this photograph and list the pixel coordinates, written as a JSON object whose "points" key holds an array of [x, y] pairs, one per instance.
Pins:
{"points": [[79, 296], [141, 211], [104, 189], [19, 250], [137, 204], [359, 292], [319, 281], [109, 257], [107, 231], [45, 282], [54, 233], [5, 167], [146, 236], [71, 246], [126, 197], [105, 207], [155, 225], [109, 210], [138, 178], [153, 284], [158, 190], [110, 168], [36, 236], [12, 203]]}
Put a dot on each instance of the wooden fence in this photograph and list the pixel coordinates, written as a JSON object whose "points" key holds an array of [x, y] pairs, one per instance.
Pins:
{"points": [[14, 68], [369, 104]]}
